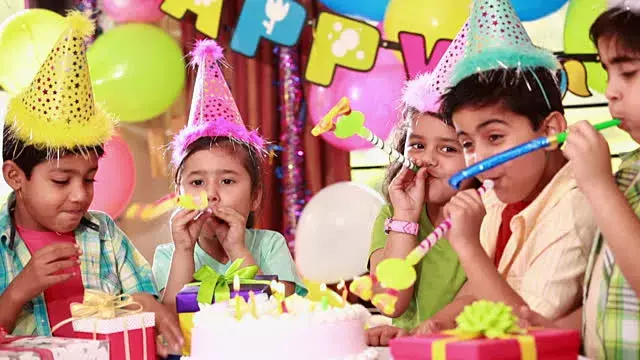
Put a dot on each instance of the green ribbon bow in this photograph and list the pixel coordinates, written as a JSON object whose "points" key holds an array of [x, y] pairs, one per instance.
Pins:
{"points": [[489, 319], [217, 286]]}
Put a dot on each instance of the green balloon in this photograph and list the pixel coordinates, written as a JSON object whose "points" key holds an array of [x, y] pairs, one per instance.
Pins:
{"points": [[137, 71], [26, 38], [580, 15]]}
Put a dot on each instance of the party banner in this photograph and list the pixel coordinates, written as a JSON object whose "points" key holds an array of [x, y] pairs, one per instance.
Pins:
{"points": [[343, 42]]}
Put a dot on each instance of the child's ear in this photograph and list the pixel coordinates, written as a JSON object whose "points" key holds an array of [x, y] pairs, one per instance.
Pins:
{"points": [[256, 199], [13, 175], [554, 124]]}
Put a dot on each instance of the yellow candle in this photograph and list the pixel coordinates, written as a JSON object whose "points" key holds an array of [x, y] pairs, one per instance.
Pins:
{"points": [[324, 301], [345, 292], [252, 302], [236, 288]]}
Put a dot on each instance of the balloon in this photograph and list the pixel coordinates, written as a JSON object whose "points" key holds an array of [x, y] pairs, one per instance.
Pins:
{"points": [[116, 178], [375, 93], [10, 7], [137, 71], [529, 10], [580, 15], [368, 9], [123, 11], [4, 100], [22, 50], [432, 18], [334, 232]]}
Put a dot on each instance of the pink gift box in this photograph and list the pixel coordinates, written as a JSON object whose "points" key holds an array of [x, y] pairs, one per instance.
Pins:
{"points": [[51, 348], [551, 344], [113, 330]]}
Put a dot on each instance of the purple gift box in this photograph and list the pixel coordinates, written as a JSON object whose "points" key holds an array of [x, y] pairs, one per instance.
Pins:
{"points": [[186, 300]]}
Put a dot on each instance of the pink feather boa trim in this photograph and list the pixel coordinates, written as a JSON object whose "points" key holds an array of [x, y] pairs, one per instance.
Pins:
{"points": [[214, 128]]}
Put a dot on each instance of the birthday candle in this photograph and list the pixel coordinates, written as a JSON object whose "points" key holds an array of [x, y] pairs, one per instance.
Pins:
{"points": [[345, 292], [252, 303], [324, 301], [236, 288]]}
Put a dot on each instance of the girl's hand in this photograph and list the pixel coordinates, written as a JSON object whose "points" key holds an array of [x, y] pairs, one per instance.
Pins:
{"points": [[229, 227], [466, 211], [407, 192], [185, 228], [380, 335]]}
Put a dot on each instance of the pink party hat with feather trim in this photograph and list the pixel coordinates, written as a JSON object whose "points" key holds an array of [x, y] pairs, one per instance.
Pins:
{"points": [[424, 92], [213, 110]]}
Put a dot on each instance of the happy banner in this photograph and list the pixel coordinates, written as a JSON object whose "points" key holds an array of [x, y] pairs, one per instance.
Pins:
{"points": [[338, 41]]}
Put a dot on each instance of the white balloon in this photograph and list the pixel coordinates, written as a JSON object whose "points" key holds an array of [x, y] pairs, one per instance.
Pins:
{"points": [[4, 100], [334, 232]]}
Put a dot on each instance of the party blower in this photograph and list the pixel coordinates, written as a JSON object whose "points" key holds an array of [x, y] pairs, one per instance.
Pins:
{"points": [[516, 152], [351, 123], [165, 204], [399, 274]]}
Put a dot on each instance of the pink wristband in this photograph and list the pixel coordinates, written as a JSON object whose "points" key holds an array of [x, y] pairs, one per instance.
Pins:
{"points": [[404, 227]]}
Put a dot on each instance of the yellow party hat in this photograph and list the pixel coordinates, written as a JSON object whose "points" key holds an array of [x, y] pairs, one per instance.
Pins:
{"points": [[58, 111]]}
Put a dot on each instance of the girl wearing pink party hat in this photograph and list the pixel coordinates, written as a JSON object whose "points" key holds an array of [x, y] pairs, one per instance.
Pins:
{"points": [[217, 155], [416, 203]]}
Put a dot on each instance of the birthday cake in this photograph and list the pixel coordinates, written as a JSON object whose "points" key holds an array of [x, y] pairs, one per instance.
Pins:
{"points": [[267, 328]]}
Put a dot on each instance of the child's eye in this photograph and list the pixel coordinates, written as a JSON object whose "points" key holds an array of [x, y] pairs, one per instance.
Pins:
{"points": [[91, 181], [60, 182], [629, 74], [494, 138], [466, 144], [416, 146], [197, 182], [228, 181], [448, 149]]}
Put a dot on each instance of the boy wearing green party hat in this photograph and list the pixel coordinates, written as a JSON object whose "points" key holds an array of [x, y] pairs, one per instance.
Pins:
{"points": [[526, 241], [51, 247]]}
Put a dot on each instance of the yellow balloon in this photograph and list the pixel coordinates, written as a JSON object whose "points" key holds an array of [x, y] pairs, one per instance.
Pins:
{"points": [[432, 18], [316, 294], [25, 41]]}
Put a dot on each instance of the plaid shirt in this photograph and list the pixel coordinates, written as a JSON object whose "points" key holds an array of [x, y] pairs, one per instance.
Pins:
{"points": [[109, 263], [618, 315]]}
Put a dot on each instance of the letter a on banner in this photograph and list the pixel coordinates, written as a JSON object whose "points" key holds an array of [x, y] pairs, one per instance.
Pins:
{"points": [[279, 21], [208, 12], [341, 41]]}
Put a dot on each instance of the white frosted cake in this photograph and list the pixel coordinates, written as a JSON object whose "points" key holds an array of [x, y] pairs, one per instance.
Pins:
{"points": [[306, 331]]}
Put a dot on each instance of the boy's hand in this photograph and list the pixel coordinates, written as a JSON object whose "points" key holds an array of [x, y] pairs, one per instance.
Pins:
{"points": [[46, 269], [433, 326], [588, 152], [167, 325], [185, 228], [529, 318], [380, 335], [406, 192], [466, 211]]}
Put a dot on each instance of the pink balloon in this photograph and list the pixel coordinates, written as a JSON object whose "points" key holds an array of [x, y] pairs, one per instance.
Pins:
{"points": [[375, 93], [126, 11], [116, 178]]}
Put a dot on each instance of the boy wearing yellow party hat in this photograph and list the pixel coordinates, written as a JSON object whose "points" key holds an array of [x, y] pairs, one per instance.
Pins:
{"points": [[51, 247], [526, 241]]}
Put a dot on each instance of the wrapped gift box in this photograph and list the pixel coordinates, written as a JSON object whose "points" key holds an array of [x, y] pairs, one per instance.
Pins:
{"points": [[52, 348], [550, 344], [125, 333], [187, 298]]}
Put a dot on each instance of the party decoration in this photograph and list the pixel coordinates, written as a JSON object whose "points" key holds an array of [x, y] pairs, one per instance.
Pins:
{"points": [[351, 123], [57, 110], [414, 52], [334, 232], [434, 20], [213, 110], [165, 204], [424, 92], [580, 15], [497, 40], [344, 42], [368, 9], [277, 20], [292, 121], [22, 50], [208, 13], [489, 319], [137, 71], [518, 151], [89, 8], [529, 10], [575, 76], [316, 292], [10, 7], [115, 179], [142, 11], [374, 93]]}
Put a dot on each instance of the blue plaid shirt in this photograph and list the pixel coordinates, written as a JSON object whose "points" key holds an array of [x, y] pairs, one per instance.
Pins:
{"points": [[109, 263]]}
